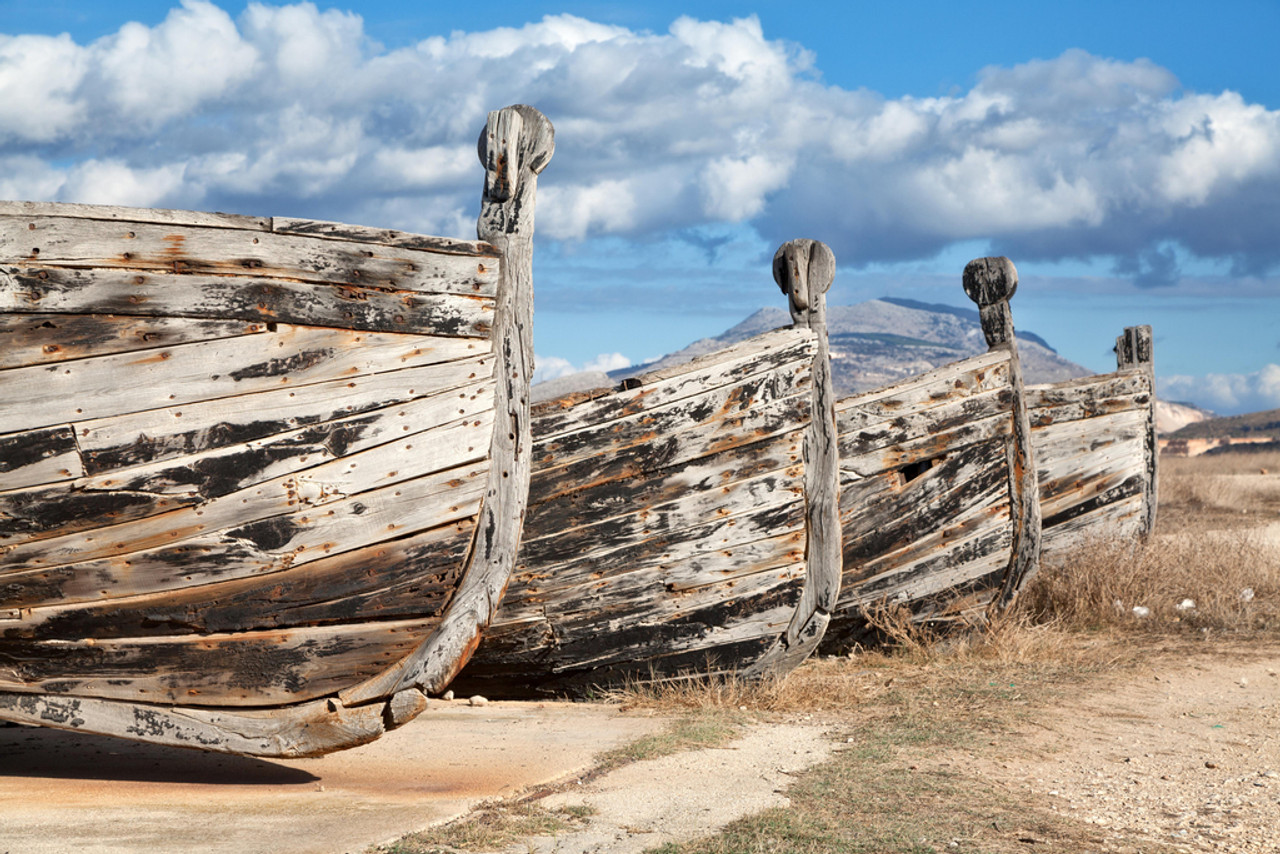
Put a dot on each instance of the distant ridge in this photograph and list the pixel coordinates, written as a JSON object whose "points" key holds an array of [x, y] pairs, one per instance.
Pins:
{"points": [[880, 341], [964, 313]]}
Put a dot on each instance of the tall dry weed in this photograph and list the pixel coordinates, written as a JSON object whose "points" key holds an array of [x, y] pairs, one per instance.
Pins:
{"points": [[1206, 579]]}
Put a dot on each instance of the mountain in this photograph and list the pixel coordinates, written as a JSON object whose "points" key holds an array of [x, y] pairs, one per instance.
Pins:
{"points": [[1172, 416], [1254, 425], [884, 340]]}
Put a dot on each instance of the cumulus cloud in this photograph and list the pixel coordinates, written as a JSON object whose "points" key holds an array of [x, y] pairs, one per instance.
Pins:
{"points": [[294, 110], [1228, 394], [553, 367]]}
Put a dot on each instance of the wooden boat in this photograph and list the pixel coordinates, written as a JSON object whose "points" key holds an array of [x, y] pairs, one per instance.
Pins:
{"points": [[938, 496], [261, 480], [682, 523], [1094, 441]]}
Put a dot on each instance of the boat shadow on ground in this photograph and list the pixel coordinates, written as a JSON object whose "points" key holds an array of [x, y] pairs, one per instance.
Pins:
{"points": [[27, 751]]}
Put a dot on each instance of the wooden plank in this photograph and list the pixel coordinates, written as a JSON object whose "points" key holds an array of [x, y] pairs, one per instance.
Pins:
{"points": [[949, 419], [255, 299], [804, 270], [44, 243], [306, 729], [553, 511], [404, 578], [984, 372], [991, 283], [111, 499], [37, 456], [254, 548], [438, 447], [920, 449], [44, 395], [622, 525], [381, 236], [754, 358], [239, 669], [665, 449], [112, 213], [37, 339], [717, 413], [154, 435]]}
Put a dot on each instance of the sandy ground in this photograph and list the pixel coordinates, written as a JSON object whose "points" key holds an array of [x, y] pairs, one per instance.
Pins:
{"points": [[1183, 752], [66, 792]]}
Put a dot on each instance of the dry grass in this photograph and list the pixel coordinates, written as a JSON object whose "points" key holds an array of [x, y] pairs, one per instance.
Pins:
{"points": [[1219, 490]]}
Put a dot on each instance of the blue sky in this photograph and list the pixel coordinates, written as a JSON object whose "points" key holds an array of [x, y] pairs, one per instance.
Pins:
{"points": [[1125, 155]]}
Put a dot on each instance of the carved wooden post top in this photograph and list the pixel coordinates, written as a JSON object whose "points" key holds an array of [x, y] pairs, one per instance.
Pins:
{"points": [[804, 270], [991, 282], [1134, 348], [515, 146]]}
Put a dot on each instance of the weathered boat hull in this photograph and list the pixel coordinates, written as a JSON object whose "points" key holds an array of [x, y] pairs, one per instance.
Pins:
{"points": [[682, 524], [937, 492], [1095, 449], [262, 479]]}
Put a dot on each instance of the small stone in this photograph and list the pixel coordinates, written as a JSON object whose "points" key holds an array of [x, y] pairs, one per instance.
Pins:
{"points": [[1246, 595], [1141, 612], [1244, 683], [1210, 765], [447, 695], [477, 700], [1186, 605]]}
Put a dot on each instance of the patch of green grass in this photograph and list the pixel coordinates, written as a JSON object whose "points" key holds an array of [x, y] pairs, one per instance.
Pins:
{"points": [[491, 826], [709, 728]]}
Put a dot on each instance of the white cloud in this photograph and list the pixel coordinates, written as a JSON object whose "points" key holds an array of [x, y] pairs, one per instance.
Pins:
{"points": [[607, 362], [553, 367], [293, 109], [1228, 394]]}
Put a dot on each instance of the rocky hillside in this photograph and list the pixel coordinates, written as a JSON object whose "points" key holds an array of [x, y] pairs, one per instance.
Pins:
{"points": [[1254, 425], [881, 341]]}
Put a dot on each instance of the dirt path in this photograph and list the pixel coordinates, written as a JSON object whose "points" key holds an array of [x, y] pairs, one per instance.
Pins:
{"points": [[1183, 752], [1180, 754]]}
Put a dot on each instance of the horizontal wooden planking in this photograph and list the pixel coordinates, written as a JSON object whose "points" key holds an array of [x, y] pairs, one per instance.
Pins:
{"points": [[413, 576], [684, 559], [235, 669], [113, 213], [660, 520], [759, 356], [985, 555], [950, 418], [1117, 516], [462, 416], [387, 461], [687, 430], [915, 451], [883, 514], [38, 456], [58, 241], [554, 510], [945, 540], [252, 299], [154, 435], [1081, 389], [380, 236], [48, 395], [256, 548], [649, 650], [1068, 449], [37, 339], [950, 383]]}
